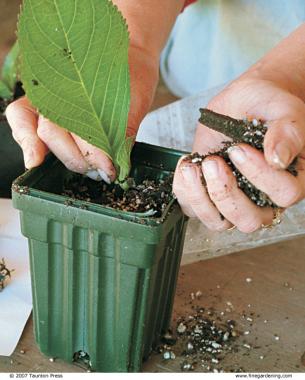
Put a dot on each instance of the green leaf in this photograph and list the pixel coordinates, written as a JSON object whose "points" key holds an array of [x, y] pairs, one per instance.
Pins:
{"points": [[10, 67], [74, 68], [123, 158], [5, 92]]}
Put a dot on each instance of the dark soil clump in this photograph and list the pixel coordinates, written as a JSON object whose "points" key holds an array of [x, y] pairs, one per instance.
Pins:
{"points": [[146, 197], [3, 104], [5, 274], [18, 92], [251, 132]]}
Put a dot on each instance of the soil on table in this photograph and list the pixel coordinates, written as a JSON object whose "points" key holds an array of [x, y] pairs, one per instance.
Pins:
{"points": [[148, 196], [201, 340], [5, 274], [251, 132]]}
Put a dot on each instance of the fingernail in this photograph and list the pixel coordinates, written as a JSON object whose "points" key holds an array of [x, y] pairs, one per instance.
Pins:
{"points": [[210, 169], [104, 176], [237, 154], [98, 175], [189, 174], [93, 174], [282, 155]]}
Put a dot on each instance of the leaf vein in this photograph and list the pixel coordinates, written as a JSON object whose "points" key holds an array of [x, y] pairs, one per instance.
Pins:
{"points": [[90, 41], [62, 99], [100, 60], [79, 75], [73, 19]]}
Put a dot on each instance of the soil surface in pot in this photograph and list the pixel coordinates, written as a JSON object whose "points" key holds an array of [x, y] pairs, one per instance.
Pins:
{"points": [[146, 196]]}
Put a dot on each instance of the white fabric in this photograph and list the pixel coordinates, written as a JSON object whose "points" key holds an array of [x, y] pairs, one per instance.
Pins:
{"points": [[174, 125], [16, 297], [214, 41]]}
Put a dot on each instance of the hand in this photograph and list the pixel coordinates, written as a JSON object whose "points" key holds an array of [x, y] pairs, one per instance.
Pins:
{"points": [[36, 135], [149, 32], [221, 204]]}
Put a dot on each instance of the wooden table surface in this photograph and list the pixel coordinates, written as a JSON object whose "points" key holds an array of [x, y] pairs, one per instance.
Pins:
{"points": [[276, 294]]}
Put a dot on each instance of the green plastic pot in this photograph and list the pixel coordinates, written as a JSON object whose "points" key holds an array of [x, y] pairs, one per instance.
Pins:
{"points": [[103, 281], [11, 163]]}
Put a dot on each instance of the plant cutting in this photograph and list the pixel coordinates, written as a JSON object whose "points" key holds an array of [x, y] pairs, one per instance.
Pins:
{"points": [[104, 261], [75, 71]]}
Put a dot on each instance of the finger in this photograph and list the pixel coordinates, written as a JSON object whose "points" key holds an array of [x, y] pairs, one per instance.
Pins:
{"points": [[200, 201], [96, 159], [180, 191], [284, 140], [230, 200], [301, 171], [196, 197], [23, 118], [60, 142], [282, 188]]}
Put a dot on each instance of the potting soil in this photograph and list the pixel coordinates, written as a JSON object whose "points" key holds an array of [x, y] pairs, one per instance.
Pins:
{"points": [[148, 196]]}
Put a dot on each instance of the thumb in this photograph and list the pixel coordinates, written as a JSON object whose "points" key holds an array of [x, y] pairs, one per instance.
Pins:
{"points": [[101, 166], [285, 139], [23, 120]]}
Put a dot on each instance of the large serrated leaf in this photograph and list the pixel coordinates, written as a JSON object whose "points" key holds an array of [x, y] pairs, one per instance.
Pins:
{"points": [[74, 68]]}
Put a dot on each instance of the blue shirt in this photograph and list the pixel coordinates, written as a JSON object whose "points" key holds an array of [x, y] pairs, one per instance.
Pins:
{"points": [[214, 41]]}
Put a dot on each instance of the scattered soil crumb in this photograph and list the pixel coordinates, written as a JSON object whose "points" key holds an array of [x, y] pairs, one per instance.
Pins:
{"points": [[83, 359], [201, 340], [5, 274]]}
